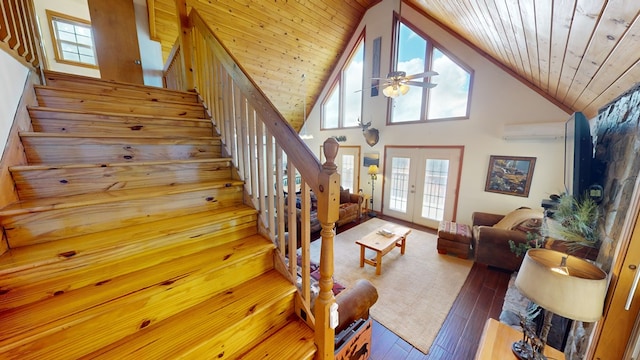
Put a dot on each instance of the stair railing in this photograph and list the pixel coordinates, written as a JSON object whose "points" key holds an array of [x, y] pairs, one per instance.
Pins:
{"points": [[267, 153], [18, 32]]}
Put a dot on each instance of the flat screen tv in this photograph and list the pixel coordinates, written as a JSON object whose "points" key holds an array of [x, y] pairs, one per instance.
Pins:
{"points": [[578, 156]]}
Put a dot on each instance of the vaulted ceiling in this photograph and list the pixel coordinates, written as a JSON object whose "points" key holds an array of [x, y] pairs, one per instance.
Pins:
{"points": [[581, 54]]}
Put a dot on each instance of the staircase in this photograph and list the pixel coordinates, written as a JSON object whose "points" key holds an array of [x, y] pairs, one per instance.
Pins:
{"points": [[131, 239]]}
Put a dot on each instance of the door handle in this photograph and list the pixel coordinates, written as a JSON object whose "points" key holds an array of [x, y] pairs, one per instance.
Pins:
{"points": [[634, 286], [137, 62]]}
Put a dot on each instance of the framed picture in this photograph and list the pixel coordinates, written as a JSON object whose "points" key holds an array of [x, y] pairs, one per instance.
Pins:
{"points": [[510, 175], [371, 159]]}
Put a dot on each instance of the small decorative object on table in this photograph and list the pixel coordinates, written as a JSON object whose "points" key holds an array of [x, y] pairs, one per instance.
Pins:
{"points": [[386, 233]]}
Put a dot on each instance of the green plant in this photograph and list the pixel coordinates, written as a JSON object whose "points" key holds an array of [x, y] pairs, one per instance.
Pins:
{"points": [[534, 240], [578, 221]]}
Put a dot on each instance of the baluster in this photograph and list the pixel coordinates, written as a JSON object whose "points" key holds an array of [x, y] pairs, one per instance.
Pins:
{"points": [[328, 200]]}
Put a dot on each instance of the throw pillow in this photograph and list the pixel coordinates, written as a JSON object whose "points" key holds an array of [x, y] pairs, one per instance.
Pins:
{"points": [[529, 226], [516, 217], [345, 196]]}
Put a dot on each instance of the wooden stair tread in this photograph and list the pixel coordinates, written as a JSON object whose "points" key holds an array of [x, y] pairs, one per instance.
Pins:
{"points": [[294, 341], [46, 204], [78, 265], [45, 91], [51, 75], [105, 137], [194, 333], [121, 306], [141, 163], [106, 115], [28, 257]]}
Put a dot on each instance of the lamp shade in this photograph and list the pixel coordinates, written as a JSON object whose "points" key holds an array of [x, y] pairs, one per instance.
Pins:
{"points": [[563, 284], [373, 170]]}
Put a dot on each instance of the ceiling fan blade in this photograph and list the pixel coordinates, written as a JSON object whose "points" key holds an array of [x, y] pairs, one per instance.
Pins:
{"points": [[372, 86], [421, 84], [424, 74]]}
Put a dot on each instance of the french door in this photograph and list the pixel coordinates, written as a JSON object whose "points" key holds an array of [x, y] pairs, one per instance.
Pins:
{"points": [[421, 183], [348, 163]]}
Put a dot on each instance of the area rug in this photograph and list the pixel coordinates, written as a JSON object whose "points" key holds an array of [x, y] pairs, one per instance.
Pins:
{"points": [[416, 290]]}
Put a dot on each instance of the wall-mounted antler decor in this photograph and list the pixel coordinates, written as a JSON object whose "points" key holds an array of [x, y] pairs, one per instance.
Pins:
{"points": [[371, 135]]}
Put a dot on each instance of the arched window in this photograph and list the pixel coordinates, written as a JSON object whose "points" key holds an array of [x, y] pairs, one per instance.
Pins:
{"points": [[417, 53], [343, 105]]}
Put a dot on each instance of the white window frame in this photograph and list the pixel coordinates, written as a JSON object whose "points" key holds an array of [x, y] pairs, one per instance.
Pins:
{"points": [[429, 53], [342, 87]]}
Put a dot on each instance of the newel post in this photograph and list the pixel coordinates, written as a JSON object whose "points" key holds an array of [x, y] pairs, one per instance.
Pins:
{"points": [[186, 46], [328, 203]]}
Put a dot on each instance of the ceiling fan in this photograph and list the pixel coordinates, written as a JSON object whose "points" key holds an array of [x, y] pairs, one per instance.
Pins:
{"points": [[397, 82]]}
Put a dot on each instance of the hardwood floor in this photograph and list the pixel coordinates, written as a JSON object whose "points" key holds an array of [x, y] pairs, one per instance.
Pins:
{"points": [[480, 298]]}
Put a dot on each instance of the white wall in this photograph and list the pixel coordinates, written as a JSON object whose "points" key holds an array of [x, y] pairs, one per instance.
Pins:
{"points": [[150, 51], [497, 99], [13, 76], [75, 8]]}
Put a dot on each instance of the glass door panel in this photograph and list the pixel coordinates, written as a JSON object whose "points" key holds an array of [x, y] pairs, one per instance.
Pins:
{"points": [[420, 184]]}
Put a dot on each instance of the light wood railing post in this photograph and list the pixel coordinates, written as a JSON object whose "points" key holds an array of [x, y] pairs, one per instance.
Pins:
{"points": [[186, 48], [328, 202]]}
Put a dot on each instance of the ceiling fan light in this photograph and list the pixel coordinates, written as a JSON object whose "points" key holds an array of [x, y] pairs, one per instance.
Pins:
{"points": [[404, 88], [390, 92]]}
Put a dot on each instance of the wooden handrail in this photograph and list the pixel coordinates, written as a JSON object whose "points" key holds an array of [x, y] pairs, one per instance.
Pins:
{"points": [[257, 137]]}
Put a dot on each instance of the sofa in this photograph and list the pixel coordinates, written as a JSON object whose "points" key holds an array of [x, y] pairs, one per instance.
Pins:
{"points": [[491, 234], [350, 205]]}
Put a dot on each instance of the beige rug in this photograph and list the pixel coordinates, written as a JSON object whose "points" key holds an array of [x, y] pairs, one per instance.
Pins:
{"points": [[416, 290]]}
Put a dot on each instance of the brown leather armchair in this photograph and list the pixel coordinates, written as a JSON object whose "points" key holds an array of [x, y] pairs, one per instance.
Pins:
{"points": [[492, 232]]}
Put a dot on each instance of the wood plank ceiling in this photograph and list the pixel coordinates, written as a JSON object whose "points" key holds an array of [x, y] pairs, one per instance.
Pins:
{"points": [[580, 53]]}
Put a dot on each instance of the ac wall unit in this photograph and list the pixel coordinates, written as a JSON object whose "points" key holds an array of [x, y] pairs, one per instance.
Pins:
{"points": [[534, 131]]}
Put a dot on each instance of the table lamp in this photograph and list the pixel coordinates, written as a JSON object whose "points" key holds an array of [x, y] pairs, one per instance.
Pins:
{"points": [[560, 284], [373, 172]]}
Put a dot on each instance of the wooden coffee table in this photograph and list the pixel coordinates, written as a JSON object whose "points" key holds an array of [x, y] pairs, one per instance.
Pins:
{"points": [[382, 244]]}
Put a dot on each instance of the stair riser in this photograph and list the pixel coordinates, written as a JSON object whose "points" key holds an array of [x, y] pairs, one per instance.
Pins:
{"points": [[81, 150], [135, 309], [55, 224], [106, 88], [80, 101], [88, 269], [125, 127], [63, 181]]}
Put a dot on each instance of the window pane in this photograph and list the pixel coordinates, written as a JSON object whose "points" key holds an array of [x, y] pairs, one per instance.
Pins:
{"points": [[451, 96], [84, 40], [331, 109], [62, 26], [88, 59], [347, 172], [71, 56], [399, 184], [73, 40], [65, 36], [412, 50], [435, 189], [353, 79]]}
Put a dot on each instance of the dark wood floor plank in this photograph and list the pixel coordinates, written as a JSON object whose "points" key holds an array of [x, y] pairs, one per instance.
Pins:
{"points": [[449, 334]]}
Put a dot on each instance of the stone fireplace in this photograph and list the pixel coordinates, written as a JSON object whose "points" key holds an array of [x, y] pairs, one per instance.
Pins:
{"points": [[616, 135]]}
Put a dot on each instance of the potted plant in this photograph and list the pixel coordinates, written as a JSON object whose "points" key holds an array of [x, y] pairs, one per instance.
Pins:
{"points": [[575, 223]]}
